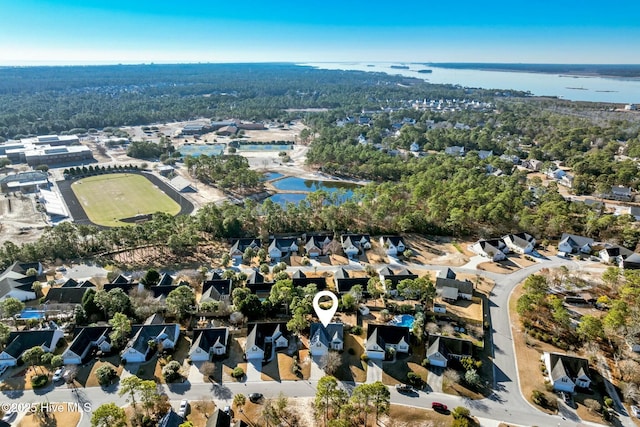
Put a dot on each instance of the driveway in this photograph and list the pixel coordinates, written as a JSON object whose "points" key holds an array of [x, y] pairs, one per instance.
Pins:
{"points": [[434, 378], [374, 371], [254, 370], [316, 371]]}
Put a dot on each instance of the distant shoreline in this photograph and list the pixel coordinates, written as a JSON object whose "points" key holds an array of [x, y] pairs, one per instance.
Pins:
{"points": [[616, 71]]}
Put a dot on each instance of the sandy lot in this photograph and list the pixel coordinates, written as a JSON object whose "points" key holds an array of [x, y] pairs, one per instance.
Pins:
{"points": [[443, 251], [20, 222]]}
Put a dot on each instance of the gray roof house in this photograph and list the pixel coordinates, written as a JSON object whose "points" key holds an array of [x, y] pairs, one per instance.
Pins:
{"points": [[14, 282], [85, 340], [493, 249], [442, 349], [263, 340], [216, 290], [137, 349], [207, 343], [521, 243], [222, 419], [454, 289], [571, 243], [21, 341], [322, 339], [614, 254], [381, 338], [567, 372]]}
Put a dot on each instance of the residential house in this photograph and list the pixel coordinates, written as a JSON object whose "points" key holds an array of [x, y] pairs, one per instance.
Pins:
{"points": [[632, 262], [64, 298], [614, 254], [21, 341], [394, 277], [567, 372], [207, 343], [414, 147], [14, 282], [510, 158], [222, 419], [171, 419], [238, 246], [442, 349], [570, 243], [159, 293], [264, 339], [521, 243], [322, 339], [165, 335], [354, 244], [454, 289], [393, 245], [282, 247], [85, 340], [532, 165], [216, 290], [493, 249], [620, 192], [484, 154], [555, 173], [344, 283], [381, 338], [317, 245], [70, 283], [454, 150], [634, 211], [299, 279]]}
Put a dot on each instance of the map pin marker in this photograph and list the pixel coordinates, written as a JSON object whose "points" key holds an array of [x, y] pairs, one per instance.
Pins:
{"points": [[325, 316]]}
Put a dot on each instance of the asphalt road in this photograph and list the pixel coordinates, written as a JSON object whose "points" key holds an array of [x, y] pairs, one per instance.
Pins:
{"points": [[506, 404]]}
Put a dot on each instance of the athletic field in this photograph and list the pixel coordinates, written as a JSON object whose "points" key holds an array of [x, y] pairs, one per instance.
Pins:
{"points": [[108, 199]]}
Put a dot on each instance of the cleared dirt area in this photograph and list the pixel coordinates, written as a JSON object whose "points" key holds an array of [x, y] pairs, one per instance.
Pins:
{"points": [[64, 418], [502, 267], [20, 221], [443, 251]]}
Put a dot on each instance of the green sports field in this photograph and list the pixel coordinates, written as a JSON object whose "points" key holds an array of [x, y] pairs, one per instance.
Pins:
{"points": [[107, 199]]}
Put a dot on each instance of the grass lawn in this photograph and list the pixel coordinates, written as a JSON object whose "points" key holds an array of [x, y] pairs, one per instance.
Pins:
{"points": [[21, 379], [200, 411], [352, 368], [65, 418], [279, 369], [107, 199], [91, 380]]}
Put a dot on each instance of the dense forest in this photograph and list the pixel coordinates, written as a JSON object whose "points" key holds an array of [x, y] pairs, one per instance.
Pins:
{"points": [[45, 100], [618, 70], [433, 193]]}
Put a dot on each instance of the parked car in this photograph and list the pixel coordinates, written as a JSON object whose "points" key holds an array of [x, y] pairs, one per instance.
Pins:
{"points": [[635, 410], [255, 397], [404, 388], [437, 406], [184, 405], [227, 410], [566, 397], [58, 374]]}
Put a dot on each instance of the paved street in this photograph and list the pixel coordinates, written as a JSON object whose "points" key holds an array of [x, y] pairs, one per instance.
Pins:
{"points": [[505, 404]]}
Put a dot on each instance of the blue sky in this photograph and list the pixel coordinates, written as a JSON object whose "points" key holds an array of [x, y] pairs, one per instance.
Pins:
{"points": [[136, 31]]}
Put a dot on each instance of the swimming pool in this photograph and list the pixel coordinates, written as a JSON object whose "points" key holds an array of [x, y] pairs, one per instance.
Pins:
{"points": [[31, 314], [195, 150], [403, 320]]}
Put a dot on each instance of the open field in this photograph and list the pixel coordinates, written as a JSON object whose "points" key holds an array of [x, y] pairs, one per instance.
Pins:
{"points": [[108, 199]]}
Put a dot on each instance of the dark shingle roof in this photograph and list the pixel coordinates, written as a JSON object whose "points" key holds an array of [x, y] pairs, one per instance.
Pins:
{"points": [[258, 332], [206, 338], [449, 345], [84, 337], [387, 334], [65, 295], [318, 333], [24, 340]]}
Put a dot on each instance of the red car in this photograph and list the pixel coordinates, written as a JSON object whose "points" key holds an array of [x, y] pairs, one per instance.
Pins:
{"points": [[437, 406]]}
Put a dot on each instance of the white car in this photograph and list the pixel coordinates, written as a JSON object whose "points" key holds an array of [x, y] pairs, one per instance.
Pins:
{"points": [[184, 405], [635, 410], [58, 374]]}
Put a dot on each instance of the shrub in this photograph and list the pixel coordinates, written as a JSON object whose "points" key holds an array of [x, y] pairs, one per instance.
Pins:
{"points": [[608, 402], [460, 412], [237, 372], [105, 374], [351, 351], [171, 372], [414, 379], [425, 362], [356, 330], [38, 381], [364, 357]]}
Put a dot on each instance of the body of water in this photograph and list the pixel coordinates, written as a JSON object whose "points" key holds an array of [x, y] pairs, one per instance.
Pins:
{"points": [[271, 175], [31, 314], [308, 186], [574, 88], [403, 320]]}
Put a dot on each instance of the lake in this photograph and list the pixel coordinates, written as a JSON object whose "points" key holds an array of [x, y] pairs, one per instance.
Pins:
{"points": [[574, 88], [308, 186]]}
